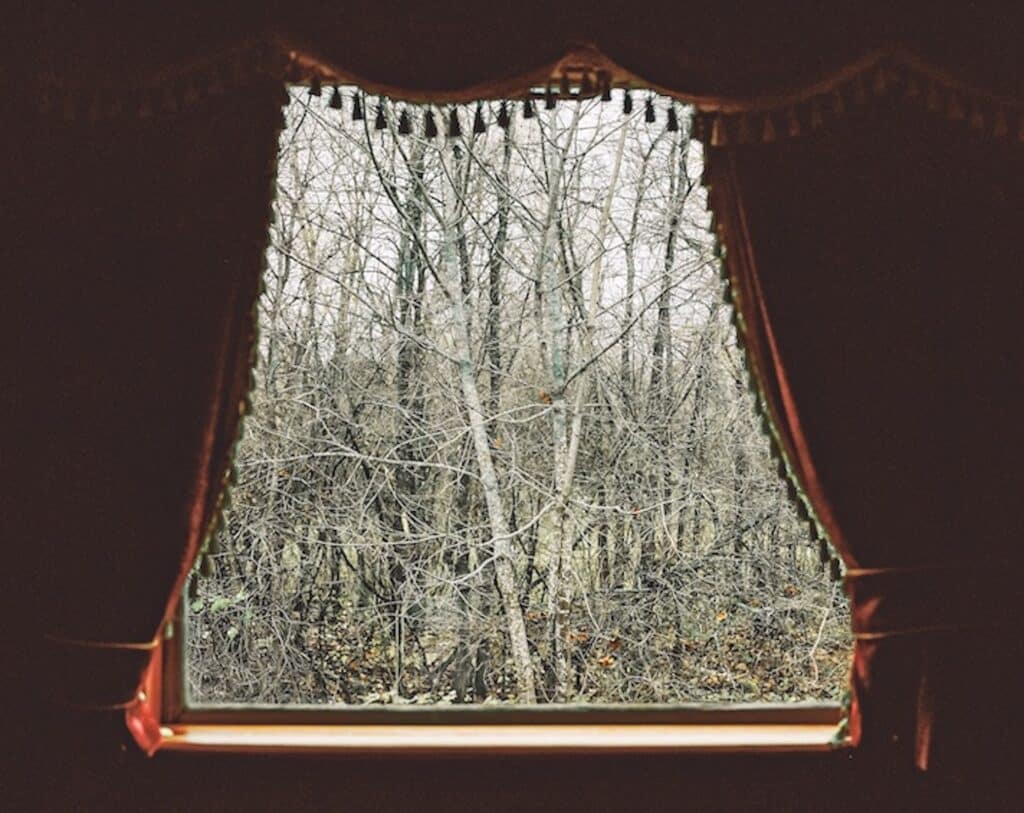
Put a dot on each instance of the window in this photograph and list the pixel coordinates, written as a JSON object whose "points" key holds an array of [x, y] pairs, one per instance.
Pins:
{"points": [[503, 456]]}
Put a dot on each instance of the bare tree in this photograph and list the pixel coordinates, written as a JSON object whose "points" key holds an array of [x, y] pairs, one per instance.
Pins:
{"points": [[502, 448]]}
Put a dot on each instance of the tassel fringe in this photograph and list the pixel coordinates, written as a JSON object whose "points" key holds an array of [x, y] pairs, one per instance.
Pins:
{"points": [[897, 76], [894, 75], [454, 127], [980, 114]]}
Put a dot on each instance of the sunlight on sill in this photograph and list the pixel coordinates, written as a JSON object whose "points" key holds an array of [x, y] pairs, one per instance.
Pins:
{"points": [[447, 739]]}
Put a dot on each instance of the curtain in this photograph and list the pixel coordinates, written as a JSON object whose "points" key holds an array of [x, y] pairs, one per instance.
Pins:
{"points": [[876, 267], [874, 259], [130, 277]]}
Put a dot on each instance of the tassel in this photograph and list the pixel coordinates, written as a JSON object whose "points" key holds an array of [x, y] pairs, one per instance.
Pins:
{"points": [[357, 107], [193, 588], [549, 98], [380, 123], [586, 84], [218, 85], [838, 104], [816, 120], [673, 120], [314, 86], [743, 134], [1000, 127], [479, 127], [835, 572], [503, 117], [719, 134], [454, 128], [94, 111], [700, 132], [955, 109], [823, 552], [206, 566], [116, 106], [429, 125], [335, 103], [801, 511], [649, 116], [768, 132], [528, 111], [860, 94], [793, 123], [404, 125], [627, 103], [606, 85], [881, 84], [563, 86], [169, 101]]}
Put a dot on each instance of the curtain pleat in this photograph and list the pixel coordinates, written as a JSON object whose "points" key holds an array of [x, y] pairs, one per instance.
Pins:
{"points": [[129, 285], [876, 274]]}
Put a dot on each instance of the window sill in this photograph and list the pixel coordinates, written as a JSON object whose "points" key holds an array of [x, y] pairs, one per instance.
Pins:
{"points": [[498, 739]]}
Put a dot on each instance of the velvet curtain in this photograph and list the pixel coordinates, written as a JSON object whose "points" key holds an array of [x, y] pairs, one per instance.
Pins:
{"points": [[131, 265], [875, 261], [876, 270]]}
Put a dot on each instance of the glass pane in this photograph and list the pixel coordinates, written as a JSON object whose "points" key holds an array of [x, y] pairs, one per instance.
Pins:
{"points": [[503, 448]]}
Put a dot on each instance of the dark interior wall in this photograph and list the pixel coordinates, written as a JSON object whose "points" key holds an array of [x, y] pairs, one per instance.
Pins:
{"points": [[54, 760]]}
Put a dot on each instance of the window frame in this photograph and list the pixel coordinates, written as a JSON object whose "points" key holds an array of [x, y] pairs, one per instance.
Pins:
{"points": [[618, 728]]}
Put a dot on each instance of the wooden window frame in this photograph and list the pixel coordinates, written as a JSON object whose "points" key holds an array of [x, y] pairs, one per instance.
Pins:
{"points": [[545, 729]]}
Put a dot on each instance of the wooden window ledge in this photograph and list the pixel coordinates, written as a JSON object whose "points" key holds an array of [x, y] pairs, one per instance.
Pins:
{"points": [[501, 739]]}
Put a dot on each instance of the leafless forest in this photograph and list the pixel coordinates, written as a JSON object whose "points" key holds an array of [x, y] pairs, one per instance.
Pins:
{"points": [[503, 448]]}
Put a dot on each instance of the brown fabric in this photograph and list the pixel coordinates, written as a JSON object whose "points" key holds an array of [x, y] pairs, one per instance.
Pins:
{"points": [[877, 263], [131, 265], [878, 270]]}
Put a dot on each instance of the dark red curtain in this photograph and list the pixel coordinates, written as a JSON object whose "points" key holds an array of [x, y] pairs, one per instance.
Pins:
{"points": [[131, 264], [877, 269], [876, 259]]}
